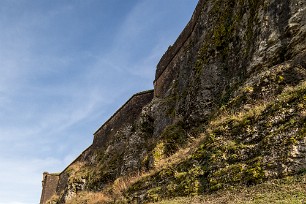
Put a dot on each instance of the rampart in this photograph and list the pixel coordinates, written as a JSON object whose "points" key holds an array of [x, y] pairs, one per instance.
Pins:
{"points": [[49, 184], [126, 114], [163, 70], [63, 176], [55, 183]]}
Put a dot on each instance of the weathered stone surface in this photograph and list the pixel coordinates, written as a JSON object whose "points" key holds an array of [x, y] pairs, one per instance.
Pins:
{"points": [[224, 48], [235, 77], [49, 183], [112, 154]]}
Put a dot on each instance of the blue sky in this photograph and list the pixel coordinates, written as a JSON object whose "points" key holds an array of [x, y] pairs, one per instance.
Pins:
{"points": [[66, 66]]}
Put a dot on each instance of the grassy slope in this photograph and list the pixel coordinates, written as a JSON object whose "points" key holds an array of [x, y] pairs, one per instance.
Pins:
{"points": [[184, 173], [287, 190], [223, 157]]}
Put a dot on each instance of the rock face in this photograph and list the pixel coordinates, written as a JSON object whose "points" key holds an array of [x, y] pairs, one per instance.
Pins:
{"points": [[234, 82]]}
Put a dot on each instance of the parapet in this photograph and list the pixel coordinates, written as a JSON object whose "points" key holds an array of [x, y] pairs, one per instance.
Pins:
{"points": [[127, 113], [174, 49], [183, 37], [55, 183], [49, 186]]}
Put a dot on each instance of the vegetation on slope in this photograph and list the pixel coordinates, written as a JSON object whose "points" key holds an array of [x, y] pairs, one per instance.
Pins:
{"points": [[253, 117], [239, 148], [291, 190]]}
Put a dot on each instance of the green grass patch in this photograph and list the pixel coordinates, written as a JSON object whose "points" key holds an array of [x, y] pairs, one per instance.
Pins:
{"points": [[287, 190]]}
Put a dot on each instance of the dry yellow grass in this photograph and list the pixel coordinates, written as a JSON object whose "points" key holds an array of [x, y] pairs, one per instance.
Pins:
{"points": [[89, 198], [271, 192]]}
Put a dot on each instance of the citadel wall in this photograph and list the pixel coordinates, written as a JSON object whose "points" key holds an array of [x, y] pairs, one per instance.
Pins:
{"points": [[49, 185], [166, 72], [53, 184], [63, 176], [131, 109], [126, 114], [165, 67]]}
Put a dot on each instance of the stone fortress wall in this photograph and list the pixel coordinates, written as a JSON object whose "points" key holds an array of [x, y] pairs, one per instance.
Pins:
{"points": [[164, 70], [56, 182], [49, 185], [53, 183], [127, 113], [165, 74]]}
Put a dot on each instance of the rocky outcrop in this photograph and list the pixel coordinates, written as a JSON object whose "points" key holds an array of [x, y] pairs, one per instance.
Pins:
{"points": [[231, 91]]}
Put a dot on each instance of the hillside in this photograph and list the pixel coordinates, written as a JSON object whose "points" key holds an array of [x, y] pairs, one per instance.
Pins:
{"points": [[287, 190], [228, 111]]}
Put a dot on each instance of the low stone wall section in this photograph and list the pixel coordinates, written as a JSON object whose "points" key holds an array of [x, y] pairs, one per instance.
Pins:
{"points": [[49, 184], [56, 183], [63, 176], [124, 116], [53, 184]]}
